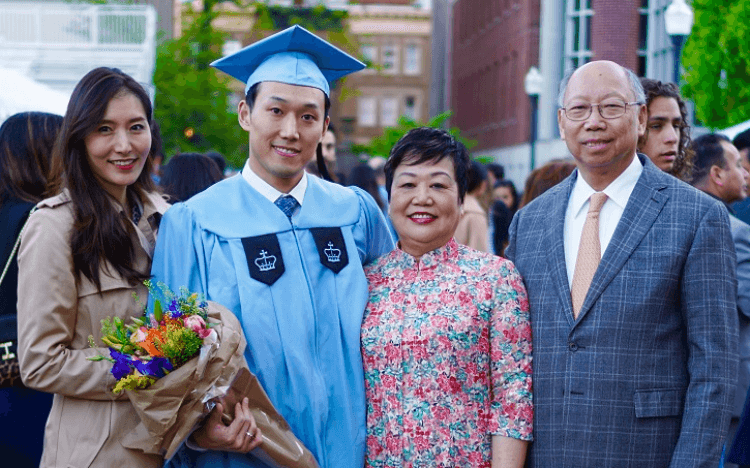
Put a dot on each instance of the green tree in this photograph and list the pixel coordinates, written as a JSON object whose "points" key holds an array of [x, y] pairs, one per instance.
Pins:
{"points": [[381, 145], [716, 59], [192, 99]]}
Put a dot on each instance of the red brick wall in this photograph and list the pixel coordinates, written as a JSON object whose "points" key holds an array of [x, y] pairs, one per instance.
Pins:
{"points": [[495, 42], [614, 31]]}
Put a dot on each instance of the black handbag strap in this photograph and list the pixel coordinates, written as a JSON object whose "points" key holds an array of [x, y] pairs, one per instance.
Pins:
{"points": [[15, 246]]}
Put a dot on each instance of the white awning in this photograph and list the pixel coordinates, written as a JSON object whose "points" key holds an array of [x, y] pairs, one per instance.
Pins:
{"points": [[19, 93]]}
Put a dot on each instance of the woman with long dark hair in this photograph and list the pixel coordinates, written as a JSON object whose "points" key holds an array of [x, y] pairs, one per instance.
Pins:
{"points": [[83, 254], [26, 142], [187, 174]]}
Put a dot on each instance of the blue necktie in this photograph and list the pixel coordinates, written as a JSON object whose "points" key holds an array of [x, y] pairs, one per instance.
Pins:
{"points": [[287, 204]]}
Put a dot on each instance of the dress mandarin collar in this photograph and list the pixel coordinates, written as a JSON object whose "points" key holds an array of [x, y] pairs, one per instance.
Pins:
{"points": [[430, 259]]}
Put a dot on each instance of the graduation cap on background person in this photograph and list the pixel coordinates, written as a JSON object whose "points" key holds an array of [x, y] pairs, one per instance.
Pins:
{"points": [[293, 56]]}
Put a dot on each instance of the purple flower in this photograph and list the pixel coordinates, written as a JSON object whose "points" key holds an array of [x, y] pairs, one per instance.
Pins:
{"points": [[156, 367], [122, 365], [174, 309]]}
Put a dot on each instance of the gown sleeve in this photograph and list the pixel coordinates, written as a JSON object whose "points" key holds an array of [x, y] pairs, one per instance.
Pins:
{"points": [[179, 256], [371, 233]]}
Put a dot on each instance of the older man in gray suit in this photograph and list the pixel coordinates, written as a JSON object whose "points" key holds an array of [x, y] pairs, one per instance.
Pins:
{"points": [[632, 291]]}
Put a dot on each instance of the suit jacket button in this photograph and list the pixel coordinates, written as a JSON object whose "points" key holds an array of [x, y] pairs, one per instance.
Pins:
{"points": [[573, 347]]}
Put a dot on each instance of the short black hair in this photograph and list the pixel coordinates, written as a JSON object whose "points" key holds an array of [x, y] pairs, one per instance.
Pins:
{"points": [[187, 174], [219, 159], [427, 144], [252, 94], [742, 140], [708, 153], [476, 175], [497, 170]]}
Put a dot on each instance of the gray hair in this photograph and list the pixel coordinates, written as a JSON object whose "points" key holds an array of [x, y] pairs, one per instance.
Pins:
{"points": [[633, 80]]}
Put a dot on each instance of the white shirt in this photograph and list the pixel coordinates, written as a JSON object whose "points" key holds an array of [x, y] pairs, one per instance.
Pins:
{"points": [[268, 191], [618, 193]]}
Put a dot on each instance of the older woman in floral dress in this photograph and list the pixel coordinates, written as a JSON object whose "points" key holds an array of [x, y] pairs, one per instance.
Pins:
{"points": [[446, 339]]}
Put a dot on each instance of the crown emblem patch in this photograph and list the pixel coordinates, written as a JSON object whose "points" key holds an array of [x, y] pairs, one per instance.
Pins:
{"points": [[264, 258], [265, 262], [331, 248]]}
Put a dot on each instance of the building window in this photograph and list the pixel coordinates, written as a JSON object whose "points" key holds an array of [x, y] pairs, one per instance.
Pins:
{"points": [[230, 47], [388, 112], [390, 59], [655, 46], [413, 59], [366, 111], [369, 53], [578, 33], [410, 108]]}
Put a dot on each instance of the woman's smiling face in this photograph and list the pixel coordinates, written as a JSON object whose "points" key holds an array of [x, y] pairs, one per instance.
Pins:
{"points": [[424, 207]]}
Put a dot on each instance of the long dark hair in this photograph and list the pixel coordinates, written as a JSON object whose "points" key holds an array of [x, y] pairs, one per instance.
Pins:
{"points": [[26, 142], [683, 164], [100, 232]]}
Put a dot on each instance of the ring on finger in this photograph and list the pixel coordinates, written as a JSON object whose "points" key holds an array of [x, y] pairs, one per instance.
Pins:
{"points": [[250, 434]]}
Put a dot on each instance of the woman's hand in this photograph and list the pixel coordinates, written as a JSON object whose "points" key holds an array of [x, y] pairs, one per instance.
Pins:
{"points": [[242, 435]]}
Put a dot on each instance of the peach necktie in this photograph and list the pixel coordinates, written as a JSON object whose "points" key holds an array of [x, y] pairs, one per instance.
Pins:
{"points": [[589, 253]]}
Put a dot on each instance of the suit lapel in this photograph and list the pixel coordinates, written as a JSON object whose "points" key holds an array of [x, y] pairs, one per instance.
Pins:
{"points": [[642, 209], [555, 240]]}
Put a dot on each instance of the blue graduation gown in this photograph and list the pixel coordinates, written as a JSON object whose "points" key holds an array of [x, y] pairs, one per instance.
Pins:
{"points": [[302, 326]]}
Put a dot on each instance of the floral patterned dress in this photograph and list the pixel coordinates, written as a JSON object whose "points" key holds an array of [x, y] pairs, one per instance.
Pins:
{"points": [[446, 344]]}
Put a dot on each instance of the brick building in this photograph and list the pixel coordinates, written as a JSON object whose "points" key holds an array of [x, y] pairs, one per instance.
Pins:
{"points": [[496, 42]]}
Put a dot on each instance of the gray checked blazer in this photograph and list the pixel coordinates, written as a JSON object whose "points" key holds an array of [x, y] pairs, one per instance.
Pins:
{"points": [[645, 376]]}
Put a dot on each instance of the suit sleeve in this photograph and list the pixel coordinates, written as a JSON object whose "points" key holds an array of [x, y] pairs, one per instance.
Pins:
{"points": [[510, 250], [179, 256], [47, 316], [371, 233], [709, 308], [742, 248]]}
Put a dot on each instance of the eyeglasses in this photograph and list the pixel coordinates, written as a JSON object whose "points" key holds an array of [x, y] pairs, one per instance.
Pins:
{"points": [[609, 109]]}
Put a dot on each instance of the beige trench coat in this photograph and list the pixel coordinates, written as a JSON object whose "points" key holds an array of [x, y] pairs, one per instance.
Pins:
{"points": [[55, 319]]}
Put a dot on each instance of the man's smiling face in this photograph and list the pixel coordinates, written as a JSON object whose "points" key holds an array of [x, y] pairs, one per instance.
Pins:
{"points": [[285, 125]]}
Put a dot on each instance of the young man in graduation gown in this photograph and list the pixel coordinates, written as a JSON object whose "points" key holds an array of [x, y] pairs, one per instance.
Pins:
{"points": [[284, 251]]}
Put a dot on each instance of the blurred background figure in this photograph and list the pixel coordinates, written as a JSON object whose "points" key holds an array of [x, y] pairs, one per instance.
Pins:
{"points": [[718, 171], [327, 149], [186, 174], [742, 143], [158, 157], [667, 138], [220, 160], [503, 208], [26, 176], [473, 228], [544, 178], [363, 176]]}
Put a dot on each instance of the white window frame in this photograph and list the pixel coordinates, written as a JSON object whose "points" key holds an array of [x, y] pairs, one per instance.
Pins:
{"points": [[367, 111], [581, 55], [394, 48], [389, 111], [413, 65]]}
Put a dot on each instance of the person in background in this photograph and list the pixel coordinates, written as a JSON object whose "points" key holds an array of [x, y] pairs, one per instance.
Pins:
{"points": [[158, 157], [446, 339], [718, 171], [284, 252], [83, 254], [504, 206], [186, 174], [377, 163], [545, 177], [363, 176], [742, 143], [473, 229], [667, 138], [219, 159], [26, 175], [632, 291]]}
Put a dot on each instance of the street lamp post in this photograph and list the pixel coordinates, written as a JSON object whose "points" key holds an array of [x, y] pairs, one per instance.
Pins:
{"points": [[532, 84], [679, 22]]}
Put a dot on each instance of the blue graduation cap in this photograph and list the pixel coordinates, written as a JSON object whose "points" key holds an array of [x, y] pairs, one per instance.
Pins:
{"points": [[293, 56]]}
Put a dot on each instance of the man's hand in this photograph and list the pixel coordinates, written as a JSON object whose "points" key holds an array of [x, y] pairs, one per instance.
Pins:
{"points": [[242, 435]]}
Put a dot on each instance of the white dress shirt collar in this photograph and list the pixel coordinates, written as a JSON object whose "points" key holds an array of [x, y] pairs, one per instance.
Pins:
{"points": [[618, 191], [268, 191]]}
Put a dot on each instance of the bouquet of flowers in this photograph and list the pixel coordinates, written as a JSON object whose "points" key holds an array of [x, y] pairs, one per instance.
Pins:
{"points": [[153, 345], [176, 362]]}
